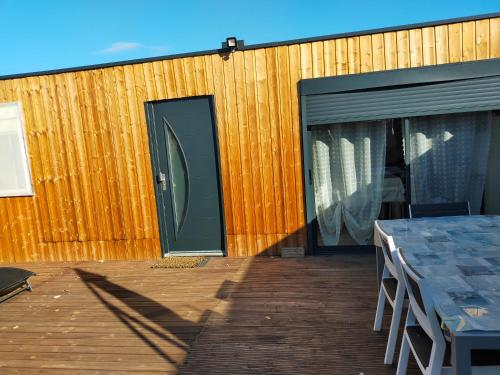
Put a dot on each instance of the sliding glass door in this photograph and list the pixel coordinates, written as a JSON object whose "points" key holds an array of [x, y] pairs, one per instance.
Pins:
{"points": [[448, 156], [363, 171], [348, 176]]}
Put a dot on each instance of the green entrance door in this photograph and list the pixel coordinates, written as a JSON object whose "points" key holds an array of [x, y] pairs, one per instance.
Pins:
{"points": [[185, 160]]}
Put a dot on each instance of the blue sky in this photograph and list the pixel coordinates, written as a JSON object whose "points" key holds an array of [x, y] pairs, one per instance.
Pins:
{"points": [[50, 34]]}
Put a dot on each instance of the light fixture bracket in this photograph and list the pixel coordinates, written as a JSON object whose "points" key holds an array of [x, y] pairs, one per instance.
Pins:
{"points": [[232, 44]]}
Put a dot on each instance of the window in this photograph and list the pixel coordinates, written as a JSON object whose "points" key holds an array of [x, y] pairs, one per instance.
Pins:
{"points": [[15, 177]]}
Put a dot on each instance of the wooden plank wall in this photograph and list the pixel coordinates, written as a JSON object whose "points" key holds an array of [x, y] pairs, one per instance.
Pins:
{"points": [[89, 154]]}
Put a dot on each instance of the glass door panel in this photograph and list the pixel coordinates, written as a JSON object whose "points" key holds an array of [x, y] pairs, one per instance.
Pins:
{"points": [[348, 180]]}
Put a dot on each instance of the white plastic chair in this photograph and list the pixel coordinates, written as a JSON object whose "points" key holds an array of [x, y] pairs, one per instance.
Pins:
{"points": [[423, 334], [391, 289]]}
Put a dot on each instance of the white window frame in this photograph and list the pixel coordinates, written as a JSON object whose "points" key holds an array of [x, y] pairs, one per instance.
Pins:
{"points": [[28, 190]]}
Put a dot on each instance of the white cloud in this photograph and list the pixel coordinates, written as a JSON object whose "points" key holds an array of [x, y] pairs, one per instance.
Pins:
{"points": [[129, 46], [157, 48], [121, 46]]}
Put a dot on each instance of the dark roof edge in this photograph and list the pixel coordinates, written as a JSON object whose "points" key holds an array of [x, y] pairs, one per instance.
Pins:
{"points": [[256, 46], [376, 31], [400, 77]]}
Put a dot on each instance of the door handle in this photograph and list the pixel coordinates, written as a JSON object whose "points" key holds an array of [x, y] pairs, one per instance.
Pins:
{"points": [[162, 180]]}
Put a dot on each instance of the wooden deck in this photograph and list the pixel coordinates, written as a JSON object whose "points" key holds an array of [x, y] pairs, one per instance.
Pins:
{"points": [[233, 316]]}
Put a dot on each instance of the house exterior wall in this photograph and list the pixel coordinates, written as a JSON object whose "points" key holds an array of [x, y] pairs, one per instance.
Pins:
{"points": [[89, 153]]}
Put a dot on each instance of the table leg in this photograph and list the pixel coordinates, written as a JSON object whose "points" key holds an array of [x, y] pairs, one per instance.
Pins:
{"points": [[460, 355], [463, 343]]}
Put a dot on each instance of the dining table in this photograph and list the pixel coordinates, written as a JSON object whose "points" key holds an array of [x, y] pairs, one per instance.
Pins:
{"points": [[459, 259]]}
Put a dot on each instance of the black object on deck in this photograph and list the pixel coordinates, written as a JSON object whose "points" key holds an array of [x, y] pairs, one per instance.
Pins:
{"points": [[13, 281]]}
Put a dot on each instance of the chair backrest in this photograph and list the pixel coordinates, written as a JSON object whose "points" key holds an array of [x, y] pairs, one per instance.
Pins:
{"points": [[421, 302], [439, 209], [388, 249]]}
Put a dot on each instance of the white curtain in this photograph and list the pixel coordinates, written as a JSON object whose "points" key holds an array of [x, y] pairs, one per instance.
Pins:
{"points": [[448, 157], [348, 176]]}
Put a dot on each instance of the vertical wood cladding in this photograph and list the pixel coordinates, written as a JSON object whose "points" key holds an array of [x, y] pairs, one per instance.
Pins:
{"points": [[89, 153]]}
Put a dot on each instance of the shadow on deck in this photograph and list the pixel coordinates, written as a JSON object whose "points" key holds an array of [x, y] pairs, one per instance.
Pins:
{"points": [[233, 316]]}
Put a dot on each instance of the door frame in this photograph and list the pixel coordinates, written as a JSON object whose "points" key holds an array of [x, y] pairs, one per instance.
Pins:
{"points": [[160, 203], [371, 80], [309, 200]]}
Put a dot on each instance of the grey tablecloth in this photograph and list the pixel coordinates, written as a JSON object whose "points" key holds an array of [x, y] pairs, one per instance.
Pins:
{"points": [[459, 258]]}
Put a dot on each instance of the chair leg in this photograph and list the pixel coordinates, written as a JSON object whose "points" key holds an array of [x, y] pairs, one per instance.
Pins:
{"points": [[404, 354], [379, 315], [396, 317], [437, 357]]}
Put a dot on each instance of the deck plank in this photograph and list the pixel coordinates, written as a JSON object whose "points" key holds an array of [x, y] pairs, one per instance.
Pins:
{"points": [[235, 315]]}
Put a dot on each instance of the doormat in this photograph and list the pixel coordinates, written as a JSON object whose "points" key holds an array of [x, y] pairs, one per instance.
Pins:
{"points": [[181, 262]]}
